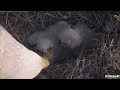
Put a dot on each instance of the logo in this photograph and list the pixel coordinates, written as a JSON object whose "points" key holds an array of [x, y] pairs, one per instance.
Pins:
{"points": [[112, 76]]}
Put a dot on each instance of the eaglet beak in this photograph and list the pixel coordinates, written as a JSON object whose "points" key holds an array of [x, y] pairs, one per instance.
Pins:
{"points": [[46, 62]]}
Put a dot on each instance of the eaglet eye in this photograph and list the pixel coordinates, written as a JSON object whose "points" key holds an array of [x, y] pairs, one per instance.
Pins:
{"points": [[49, 49]]}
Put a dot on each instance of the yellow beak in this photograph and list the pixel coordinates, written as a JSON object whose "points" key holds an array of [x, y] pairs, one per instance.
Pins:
{"points": [[46, 62]]}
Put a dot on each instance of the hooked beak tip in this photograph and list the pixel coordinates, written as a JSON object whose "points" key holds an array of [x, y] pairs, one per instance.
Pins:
{"points": [[46, 62]]}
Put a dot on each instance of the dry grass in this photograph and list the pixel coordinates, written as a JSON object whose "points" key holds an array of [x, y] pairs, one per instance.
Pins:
{"points": [[102, 57]]}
